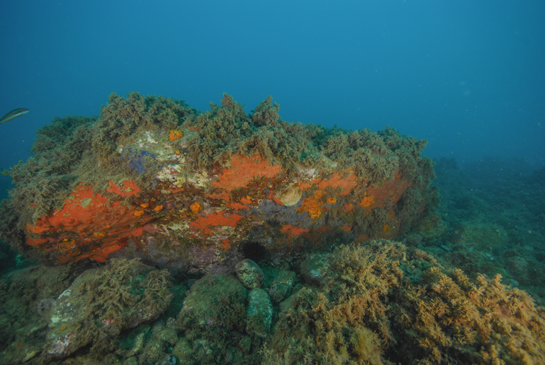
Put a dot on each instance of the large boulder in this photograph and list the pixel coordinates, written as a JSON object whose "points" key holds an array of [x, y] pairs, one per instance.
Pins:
{"points": [[153, 178]]}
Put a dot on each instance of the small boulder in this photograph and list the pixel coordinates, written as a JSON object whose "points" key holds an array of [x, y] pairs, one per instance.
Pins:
{"points": [[250, 274], [260, 313], [314, 269], [280, 288]]}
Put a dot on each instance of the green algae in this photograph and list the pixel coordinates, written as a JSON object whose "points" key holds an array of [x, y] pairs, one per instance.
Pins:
{"points": [[101, 303]]}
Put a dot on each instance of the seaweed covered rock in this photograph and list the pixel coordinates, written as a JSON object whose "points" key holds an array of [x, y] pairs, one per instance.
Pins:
{"points": [[260, 312], [26, 299], [281, 286], [213, 321], [153, 178], [377, 303], [157, 347], [103, 302], [384, 303], [314, 269]]}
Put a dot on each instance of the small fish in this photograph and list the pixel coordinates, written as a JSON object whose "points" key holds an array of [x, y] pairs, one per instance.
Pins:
{"points": [[13, 114]]}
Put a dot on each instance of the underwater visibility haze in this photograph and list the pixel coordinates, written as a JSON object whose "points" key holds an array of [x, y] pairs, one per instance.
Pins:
{"points": [[288, 182]]}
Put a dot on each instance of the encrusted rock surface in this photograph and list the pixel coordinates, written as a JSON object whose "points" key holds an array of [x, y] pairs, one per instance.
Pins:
{"points": [[101, 303], [281, 287], [153, 178], [250, 274], [315, 268], [260, 313]]}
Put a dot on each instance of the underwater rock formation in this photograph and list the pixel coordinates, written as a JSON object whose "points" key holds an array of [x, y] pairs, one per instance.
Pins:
{"points": [[213, 320], [155, 179], [260, 312], [103, 302], [91, 311], [378, 303], [282, 285]]}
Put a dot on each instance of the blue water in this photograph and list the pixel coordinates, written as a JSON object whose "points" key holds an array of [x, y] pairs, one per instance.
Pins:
{"points": [[466, 75]]}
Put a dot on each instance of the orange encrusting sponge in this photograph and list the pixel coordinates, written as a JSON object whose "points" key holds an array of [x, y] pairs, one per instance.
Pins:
{"points": [[204, 224], [243, 170], [335, 181], [88, 225], [175, 134], [126, 188], [312, 205], [390, 191]]}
